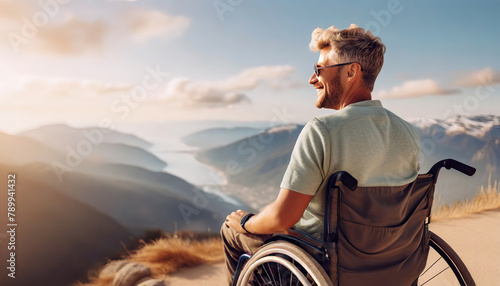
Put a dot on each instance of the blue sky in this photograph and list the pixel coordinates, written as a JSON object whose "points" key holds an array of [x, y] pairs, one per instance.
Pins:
{"points": [[233, 59]]}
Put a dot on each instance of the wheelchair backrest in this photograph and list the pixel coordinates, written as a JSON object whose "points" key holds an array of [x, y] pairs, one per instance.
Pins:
{"points": [[377, 235]]}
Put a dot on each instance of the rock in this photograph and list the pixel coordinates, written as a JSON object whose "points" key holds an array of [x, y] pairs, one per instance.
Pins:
{"points": [[152, 282], [113, 267], [130, 274]]}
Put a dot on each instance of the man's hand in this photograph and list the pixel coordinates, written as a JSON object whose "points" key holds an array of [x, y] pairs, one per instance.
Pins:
{"points": [[233, 220]]}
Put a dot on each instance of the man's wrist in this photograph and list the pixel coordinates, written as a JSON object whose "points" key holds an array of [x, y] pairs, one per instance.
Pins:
{"points": [[244, 219]]}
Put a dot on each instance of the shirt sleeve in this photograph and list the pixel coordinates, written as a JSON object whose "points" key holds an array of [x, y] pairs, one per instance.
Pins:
{"points": [[306, 170]]}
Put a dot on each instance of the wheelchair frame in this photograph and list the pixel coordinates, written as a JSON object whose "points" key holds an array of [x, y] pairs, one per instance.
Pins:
{"points": [[282, 248]]}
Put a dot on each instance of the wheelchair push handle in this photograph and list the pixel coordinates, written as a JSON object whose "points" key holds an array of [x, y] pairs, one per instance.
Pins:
{"points": [[459, 166], [451, 164]]}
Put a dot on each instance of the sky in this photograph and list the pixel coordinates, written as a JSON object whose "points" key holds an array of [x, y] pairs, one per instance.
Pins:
{"points": [[89, 63]]}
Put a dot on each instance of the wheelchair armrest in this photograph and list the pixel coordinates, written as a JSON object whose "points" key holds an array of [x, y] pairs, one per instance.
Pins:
{"points": [[310, 244]]}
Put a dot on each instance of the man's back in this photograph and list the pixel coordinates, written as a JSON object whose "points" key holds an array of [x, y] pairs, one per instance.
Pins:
{"points": [[371, 143]]}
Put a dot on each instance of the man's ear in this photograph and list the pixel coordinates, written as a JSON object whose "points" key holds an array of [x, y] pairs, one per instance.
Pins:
{"points": [[352, 71]]}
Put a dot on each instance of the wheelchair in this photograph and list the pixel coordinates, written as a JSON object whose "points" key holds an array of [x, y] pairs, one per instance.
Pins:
{"points": [[372, 236]]}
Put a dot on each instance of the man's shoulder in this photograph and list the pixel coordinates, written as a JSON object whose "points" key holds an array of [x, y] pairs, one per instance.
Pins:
{"points": [[356, 116]]}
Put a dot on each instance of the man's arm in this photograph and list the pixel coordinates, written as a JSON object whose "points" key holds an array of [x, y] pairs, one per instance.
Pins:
{"points": [[278, 216]]}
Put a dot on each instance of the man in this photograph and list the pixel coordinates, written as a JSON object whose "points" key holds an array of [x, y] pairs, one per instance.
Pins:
{"points": [[363, 138]]}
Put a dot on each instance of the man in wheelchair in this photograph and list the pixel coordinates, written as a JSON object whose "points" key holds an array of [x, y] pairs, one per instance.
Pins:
{"points": [[374, 145]]}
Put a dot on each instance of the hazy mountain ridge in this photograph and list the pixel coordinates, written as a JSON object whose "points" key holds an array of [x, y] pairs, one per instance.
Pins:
{"points": [[121, 195], [474, 140], [257, 160], [58, 135], [17, 150], [133, 194], [94, 145]]}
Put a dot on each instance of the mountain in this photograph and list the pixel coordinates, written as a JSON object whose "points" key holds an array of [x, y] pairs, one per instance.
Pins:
{"points": [[215, 137], [121, 187], [57, 237], [137, 198], [58, 135], [68, 225], [473, 140], [186, 206], [18, 150], [257, 162], [91, 145]]}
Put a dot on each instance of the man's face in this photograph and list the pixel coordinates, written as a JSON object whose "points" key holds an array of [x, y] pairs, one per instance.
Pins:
{"points": [[328, 86]]}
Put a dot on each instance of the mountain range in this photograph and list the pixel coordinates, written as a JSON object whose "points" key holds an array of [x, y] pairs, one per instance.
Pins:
{"points": [[76, 206], [259, 162]]}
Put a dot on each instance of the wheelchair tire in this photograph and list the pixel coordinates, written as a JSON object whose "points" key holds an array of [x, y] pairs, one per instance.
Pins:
{"points": [[444, 266], [278, 261]]}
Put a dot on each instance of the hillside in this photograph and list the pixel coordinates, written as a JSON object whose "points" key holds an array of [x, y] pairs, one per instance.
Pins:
{"points": [[58, 238], [259, 160], [140, 205], [17, 150]]}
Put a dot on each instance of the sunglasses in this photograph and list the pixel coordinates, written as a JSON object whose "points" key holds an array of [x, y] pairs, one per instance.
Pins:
{"points": [[316, 68]]}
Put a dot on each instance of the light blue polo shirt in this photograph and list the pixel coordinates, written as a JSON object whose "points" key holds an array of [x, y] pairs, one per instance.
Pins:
{"points": [[374, 145]]}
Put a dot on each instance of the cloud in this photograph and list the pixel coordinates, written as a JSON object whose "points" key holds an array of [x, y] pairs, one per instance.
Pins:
{"points": [[227, 92], [56, 34], [29, 28], [11, 11], [147, 24], [72, 36], [58, 92], [415, 88], [484, 77]]}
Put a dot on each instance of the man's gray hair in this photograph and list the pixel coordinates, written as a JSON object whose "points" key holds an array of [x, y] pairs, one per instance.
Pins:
{"points": [[353, 44]]}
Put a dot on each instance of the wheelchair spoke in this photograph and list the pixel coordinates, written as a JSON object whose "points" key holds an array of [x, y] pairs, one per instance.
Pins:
{"points": [[282, 263], [267, 274], [272, 273], [430, 266], [434, 276], [261, 277], [279, 272]]}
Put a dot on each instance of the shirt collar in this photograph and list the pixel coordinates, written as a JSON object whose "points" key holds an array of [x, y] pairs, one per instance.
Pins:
{"points": [[366, 103]]}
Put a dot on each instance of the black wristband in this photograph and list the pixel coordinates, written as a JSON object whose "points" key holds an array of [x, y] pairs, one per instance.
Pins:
{"points": [[244, 219]]}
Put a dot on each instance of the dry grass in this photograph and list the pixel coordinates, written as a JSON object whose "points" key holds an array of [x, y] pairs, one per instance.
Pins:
{"points": [[166, 255], [487, 199]]}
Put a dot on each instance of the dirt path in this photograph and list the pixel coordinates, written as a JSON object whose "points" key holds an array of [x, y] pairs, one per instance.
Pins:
{"points": [[476, 239]]}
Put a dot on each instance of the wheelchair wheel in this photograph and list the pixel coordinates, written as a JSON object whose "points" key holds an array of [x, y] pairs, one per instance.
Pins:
{"points": [[282, 263], [444, 266]]}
